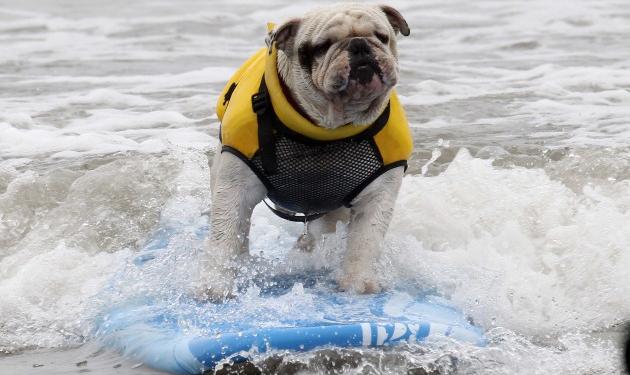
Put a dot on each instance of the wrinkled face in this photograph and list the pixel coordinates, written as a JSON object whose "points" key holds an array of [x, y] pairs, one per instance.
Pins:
{"points": [[343, 64], [351, 59]]}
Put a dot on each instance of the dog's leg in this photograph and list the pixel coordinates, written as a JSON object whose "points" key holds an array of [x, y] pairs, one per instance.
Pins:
{"points": [[371, 214], [236, 191]]}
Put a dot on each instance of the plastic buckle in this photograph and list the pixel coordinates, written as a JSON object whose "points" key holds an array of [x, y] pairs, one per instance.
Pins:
{"points": [[259, 103]]}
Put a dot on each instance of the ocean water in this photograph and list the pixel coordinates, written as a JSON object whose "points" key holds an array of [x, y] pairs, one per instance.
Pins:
{"points": [[516, 207]]}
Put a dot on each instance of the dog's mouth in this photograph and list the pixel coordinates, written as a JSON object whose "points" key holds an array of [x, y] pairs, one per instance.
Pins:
{"points": [[364, 79], [365, 70], [356, 81]]}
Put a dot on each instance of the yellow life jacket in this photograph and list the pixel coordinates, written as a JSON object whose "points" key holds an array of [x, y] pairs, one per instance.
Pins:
{"points": [[308, 170]]}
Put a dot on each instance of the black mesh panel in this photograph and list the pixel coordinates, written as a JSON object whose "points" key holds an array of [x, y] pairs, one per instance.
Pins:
{"points": [[313, 177]]}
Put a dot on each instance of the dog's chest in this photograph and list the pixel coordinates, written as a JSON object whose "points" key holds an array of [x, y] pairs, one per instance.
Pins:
{"points": [[318, 177]]}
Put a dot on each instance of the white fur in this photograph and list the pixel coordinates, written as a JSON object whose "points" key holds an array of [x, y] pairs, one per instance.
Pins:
{"points": [[317, 91], [236, 190], [371, 214]]}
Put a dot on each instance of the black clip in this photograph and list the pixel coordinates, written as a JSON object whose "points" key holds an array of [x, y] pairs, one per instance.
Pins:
{"points": [[259, 103]]}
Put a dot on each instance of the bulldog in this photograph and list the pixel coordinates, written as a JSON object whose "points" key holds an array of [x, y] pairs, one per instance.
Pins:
{"points": [[312, 125]]}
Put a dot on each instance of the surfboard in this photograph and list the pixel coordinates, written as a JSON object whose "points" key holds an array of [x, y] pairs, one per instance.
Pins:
{"points": [[281, 312]]}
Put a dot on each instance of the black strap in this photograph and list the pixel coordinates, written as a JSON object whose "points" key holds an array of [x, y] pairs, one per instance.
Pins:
{"points": [[261, 104], [347, 201]]}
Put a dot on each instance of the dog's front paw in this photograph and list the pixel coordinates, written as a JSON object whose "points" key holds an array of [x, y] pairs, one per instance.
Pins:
{"points": [[362, 284], [214, 285]]}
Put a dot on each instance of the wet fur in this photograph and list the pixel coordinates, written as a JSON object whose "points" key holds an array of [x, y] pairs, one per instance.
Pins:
{"points": [[236, 190]]}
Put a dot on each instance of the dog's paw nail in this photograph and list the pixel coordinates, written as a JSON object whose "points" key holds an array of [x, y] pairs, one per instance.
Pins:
{"points": [[359, 285], [212, 289], [371, 287]]}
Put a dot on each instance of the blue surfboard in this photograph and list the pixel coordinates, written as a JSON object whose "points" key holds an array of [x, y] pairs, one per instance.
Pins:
{"points": [[171, 331]]}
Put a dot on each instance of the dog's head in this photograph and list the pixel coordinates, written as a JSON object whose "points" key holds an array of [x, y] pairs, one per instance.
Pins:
{"points": [[340, 62]]}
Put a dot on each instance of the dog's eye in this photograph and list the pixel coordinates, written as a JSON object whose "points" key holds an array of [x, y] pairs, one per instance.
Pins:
{"points": [[382, 37], [321, 48]]}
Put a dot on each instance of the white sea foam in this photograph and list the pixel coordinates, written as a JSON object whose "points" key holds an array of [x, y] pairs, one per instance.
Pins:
{"points": [[517, 248]]}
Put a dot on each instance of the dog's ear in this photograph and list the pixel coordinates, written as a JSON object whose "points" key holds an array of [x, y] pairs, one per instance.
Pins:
{"points": [[285, 33], [396, 19]]}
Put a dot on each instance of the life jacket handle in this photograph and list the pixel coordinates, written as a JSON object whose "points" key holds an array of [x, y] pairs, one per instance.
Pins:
{"points": [[261, 105]]}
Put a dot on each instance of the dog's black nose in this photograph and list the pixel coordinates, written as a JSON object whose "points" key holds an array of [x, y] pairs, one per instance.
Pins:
{"points": [[362, 63], [359, 47]]}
